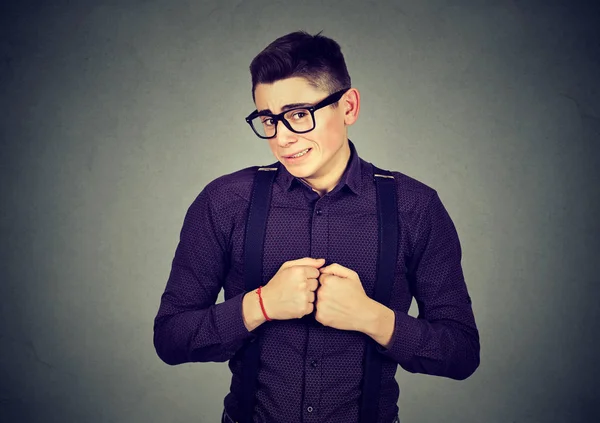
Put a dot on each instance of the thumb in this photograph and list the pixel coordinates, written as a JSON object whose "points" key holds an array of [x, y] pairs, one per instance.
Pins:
{"points": [[306, 261]]}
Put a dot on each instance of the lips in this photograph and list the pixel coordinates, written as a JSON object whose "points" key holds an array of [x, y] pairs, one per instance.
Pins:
{"points": [[299, 151]]}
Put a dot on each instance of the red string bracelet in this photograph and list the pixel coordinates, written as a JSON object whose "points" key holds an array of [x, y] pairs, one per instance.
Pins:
{"points": [[262, 305]]}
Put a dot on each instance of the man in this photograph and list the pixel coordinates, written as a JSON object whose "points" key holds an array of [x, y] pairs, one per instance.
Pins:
{"points": [[312, 313]]}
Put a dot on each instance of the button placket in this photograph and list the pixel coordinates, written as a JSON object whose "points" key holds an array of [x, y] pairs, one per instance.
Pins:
{"points": [[314, 348]]}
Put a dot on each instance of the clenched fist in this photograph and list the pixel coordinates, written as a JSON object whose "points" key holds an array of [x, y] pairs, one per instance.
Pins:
{"points": [[341, 298], [290, 294]]}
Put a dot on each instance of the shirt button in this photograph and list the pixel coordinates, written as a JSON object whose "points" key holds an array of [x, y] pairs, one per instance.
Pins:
{"points": [[309, 409], [319, 212], [313, 363]]}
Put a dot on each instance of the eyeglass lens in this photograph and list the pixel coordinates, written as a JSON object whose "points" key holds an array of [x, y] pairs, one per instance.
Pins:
{"points": [[300, 120]]}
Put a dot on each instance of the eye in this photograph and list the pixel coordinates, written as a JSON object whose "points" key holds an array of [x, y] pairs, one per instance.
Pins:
{"points": [[299, 115], [267, 122]]}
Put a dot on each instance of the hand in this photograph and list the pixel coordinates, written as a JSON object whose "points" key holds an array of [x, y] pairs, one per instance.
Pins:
{"points": [[290, 294], [341, 298]]}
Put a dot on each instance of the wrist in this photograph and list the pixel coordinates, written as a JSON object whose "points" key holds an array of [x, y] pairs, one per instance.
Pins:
{"points": [[379, 323], [252, 312], [370, 317], [259, 293]]}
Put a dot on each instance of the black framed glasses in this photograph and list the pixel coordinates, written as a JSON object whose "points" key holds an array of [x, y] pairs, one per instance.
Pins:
{"points": [[298, 119]]}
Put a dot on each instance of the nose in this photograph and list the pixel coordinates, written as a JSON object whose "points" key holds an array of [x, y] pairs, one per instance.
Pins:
{"points": [[284, 134]]}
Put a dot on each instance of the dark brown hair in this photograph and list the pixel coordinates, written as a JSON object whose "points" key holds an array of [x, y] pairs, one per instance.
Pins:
{"points": [[316, 58]]}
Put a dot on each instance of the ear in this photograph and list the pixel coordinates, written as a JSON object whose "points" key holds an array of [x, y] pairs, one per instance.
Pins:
{"points": [[350, 105]]}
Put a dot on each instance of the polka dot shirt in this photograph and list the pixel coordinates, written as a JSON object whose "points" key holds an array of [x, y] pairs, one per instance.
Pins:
{"points": [[310, 372]]}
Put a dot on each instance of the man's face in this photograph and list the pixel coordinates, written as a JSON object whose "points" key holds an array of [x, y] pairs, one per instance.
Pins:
{"points": [[326, 142]]}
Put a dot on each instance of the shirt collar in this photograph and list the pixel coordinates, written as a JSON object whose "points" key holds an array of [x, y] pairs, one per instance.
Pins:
{"points": [[351, 177]]}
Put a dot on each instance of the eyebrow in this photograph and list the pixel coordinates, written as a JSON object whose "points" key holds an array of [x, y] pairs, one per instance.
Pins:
{"points": [[287, 107]]}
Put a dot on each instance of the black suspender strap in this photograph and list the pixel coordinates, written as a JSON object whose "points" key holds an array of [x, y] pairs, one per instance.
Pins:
{"points": [[253, 267], [386, 265], [258, 211]]}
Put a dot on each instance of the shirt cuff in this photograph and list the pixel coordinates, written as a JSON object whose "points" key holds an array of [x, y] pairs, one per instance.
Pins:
{"points": [[405, 340], [230, 325]]}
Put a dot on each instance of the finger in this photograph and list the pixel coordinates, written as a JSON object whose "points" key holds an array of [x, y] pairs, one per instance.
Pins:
{"points": [[338, 270], [326, 279], [306, 261], [311, 297], [313, 284], [311, 272]]}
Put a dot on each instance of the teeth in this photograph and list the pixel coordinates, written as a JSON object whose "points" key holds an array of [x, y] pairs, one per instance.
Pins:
{"points": [[302, 153]]}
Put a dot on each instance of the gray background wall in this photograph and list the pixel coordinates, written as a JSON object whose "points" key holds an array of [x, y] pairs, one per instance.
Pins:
{"points": [[115, 114]]}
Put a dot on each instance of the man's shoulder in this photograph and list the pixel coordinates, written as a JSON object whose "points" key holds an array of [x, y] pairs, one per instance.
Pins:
{"points": [[236, 185], [233, 179], [412, 195], [408, 187], [411, 185]]}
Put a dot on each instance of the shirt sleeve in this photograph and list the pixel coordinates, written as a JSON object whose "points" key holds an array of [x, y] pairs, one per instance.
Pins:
{"points": [[189, 326], [443, 340]]}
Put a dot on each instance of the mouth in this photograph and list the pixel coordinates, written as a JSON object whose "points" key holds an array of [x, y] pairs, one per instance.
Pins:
{"points": [[298, 155]]}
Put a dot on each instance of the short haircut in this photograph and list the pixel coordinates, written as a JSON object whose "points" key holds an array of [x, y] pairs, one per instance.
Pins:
{"points": [[316, 58]]}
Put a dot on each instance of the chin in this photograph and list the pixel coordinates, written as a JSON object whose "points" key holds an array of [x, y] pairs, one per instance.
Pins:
{"points": [[300, 173]]}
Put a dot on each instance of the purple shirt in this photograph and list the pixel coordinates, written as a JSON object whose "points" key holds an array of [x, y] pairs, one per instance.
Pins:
{"points": [[310, 373]]}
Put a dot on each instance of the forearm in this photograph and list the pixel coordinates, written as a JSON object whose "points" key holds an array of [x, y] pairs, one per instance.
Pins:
{"points": [[213, 334], [448, 349], [445, 348]]}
